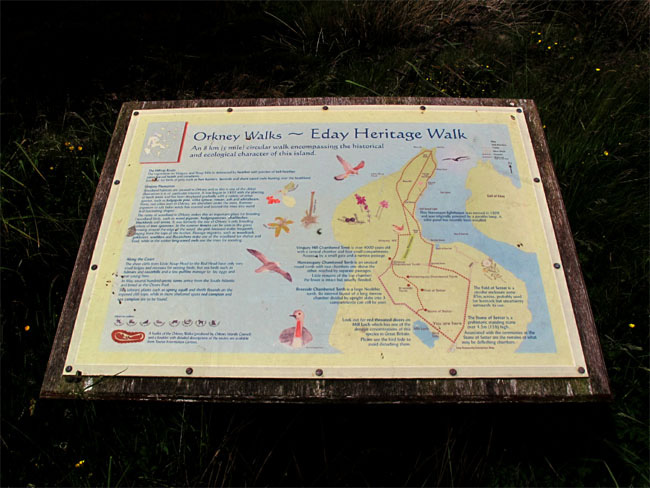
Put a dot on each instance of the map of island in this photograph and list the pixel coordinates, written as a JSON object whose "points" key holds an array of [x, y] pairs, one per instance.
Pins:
{"points": [[448, 287]]}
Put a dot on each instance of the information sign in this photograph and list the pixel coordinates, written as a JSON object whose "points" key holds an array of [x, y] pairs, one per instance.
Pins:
{"points": [[347, 241]]}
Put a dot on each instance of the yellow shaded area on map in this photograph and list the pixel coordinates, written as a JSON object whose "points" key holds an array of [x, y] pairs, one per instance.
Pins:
{"points": [[447, 289], [495, 193]]}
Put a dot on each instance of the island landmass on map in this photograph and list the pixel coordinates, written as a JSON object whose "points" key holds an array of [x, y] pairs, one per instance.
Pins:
{"points": [[440, 296]]}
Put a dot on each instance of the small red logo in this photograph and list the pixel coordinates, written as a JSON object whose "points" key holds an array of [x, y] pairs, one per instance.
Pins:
{"points": [[124, 336]]}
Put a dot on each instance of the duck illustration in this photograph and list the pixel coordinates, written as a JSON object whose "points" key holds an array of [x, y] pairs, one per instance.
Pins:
{"points": [[297, 336]]}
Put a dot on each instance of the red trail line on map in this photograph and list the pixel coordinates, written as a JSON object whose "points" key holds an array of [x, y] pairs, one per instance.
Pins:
{"points": [[407, 213]]}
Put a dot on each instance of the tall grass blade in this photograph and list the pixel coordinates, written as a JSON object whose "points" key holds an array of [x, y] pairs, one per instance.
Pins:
{"points": [[110, 467], [3, 172], [363, 86], [424, 80], [30, 160], [611, 474]]}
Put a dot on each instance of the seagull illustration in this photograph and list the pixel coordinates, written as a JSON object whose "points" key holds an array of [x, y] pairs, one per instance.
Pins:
{"points": [[459, 158], [268, 265], [349, 170]]}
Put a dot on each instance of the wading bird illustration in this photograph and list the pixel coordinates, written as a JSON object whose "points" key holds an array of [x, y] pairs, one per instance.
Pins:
{"points": [[459, 158], [296, 336], [349, 170], [268, 265]]}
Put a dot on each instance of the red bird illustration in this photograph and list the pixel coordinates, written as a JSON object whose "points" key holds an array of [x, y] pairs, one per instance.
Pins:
{"points": [[296, 336], [268, 265], [349, 170]]}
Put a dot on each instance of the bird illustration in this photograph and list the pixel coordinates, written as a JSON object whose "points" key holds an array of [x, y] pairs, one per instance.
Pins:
{"points": [[289, 201], [398, 228], [268, 265], [459, 158], [349, 170], [297, 336]]}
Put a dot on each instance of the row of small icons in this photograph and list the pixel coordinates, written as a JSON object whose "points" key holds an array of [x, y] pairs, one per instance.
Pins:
{"points": [[172, 323]]}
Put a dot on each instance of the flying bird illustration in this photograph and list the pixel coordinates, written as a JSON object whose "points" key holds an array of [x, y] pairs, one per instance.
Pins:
{"points": [[296, 336], [349, 170], [268, 265], [459, 158]]}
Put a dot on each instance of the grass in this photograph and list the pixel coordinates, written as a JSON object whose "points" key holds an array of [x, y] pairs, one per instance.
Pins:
{"points": [[591, 87]]}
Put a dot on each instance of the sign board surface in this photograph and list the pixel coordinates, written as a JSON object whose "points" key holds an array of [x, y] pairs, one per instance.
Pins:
{"points": [[364, 241], [338, 242]]}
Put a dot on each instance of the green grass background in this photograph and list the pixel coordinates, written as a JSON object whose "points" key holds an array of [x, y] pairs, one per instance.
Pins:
{"points": [[68, 67]]}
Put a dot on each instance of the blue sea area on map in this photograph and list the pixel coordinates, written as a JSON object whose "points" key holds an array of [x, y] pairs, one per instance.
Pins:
{"points": [[423, 332], [522, 264]]}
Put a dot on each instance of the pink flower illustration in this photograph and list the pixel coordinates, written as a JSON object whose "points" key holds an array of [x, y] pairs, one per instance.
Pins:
{"points": [[361, 201], [382, 205]]}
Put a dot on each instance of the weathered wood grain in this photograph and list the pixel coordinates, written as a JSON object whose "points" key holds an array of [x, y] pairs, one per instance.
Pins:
{"points": [[593, 388], [575, 281]]}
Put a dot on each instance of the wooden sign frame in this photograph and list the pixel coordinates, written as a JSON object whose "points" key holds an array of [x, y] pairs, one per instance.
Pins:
{"points": [[595, 387]]}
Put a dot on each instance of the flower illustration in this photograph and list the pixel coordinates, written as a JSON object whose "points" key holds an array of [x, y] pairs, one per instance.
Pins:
{"points": [[361, 201], [382, 205], [280, 224], [271, 200], [310, 218]]}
